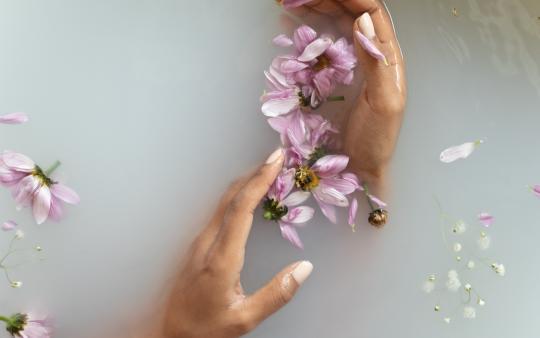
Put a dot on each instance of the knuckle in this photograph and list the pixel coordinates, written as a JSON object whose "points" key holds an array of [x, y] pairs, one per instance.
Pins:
{"points": [[391, 106], [243, 323], [283, 296]]}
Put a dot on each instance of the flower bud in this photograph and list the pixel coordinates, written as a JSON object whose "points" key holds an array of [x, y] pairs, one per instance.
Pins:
{"points": [[378, 217]]}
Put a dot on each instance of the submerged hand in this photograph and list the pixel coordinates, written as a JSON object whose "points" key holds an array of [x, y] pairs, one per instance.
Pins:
{"points": [[208, 299], [373, 124]]}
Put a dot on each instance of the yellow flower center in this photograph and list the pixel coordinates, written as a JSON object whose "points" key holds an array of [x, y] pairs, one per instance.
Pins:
{"points": [[322, 62], [305, 178]]}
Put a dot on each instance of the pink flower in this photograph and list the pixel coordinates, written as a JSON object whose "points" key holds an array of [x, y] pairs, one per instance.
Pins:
{"points": [[486, 219], [319, 62], [28, 326], [13, 118], [9, 225], [283, 97], [323, 180], [31, 187], [536, 190], [279, 204]]}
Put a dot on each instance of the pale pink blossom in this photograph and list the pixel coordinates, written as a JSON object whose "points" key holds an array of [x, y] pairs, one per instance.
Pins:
{"points": [[29, 326], [282, 206], [486, 219], [31, 187], [13, 118]]}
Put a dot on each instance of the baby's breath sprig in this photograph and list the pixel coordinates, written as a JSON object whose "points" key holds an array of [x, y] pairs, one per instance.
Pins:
{"points": [[19, 235]]}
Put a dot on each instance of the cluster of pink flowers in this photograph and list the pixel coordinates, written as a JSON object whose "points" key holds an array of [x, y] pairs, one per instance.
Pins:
{"points": [[298, 83]]}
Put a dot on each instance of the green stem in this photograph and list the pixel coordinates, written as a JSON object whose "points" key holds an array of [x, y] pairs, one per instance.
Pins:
{"points": [[5, 320], [335, 98], [366, 191], [52, 168]]}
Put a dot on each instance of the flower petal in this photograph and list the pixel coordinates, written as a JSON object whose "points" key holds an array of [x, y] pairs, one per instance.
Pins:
{"points": [[277, 107], [14, 118], [288, 4], [353, 210], [331, 196], [299, 215], [377, 201], [370, 47], [328, 210], [41, 204], [296, 198], [315, 49], [9, 225], [292, 66], [486, 219], [18, 162], [23, 193], [303, 36], [458, 152], [536, 190], [65, 193], [57, 210], [346, 187], [330, 165], [289, 233], [282, 40]]}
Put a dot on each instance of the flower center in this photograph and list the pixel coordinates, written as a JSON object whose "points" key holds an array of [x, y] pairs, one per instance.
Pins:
{"points": [[318, 153], [305, 178], [322, 62], [273, 211], [304, 101], [38, 173]]}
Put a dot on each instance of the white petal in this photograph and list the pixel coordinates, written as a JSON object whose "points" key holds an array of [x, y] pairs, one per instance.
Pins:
{"points": [[296, 198], [315, 49], [458, 152], [282, 40], [299, 215], [277, 107]]}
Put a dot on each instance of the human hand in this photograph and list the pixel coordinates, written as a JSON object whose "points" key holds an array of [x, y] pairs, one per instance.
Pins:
{"points": [[373, 124], [208, 299]]}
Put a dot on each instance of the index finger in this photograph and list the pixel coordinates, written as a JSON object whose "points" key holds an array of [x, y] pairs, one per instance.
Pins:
{"points": [[229, 248]]}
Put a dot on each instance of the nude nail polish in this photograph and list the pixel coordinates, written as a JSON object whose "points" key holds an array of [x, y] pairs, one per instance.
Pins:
{"points": [[366, 26], [276, 155], [302, 271]]}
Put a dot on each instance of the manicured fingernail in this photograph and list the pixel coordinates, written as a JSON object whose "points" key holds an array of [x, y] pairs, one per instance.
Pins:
{"points": [[366, 26], [276, 155], [302, 272]]}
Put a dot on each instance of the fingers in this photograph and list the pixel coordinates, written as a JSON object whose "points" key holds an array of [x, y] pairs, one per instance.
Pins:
{"points": [[229, 248], [278, 292]]}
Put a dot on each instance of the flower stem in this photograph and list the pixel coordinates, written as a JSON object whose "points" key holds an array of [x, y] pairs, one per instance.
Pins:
{"points": [[366, 191], [52, 168], [335, 98], [5, 320]]}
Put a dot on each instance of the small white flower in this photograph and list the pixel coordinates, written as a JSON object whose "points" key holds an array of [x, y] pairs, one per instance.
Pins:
{"points": [[471, 265], [484, 242], [467, 287], [428, 286], [453, 283], [19, 234], [481, 302], [16, 284], [499, 269], [457, 247], [469, 312], [459, 227], [447, 320]]}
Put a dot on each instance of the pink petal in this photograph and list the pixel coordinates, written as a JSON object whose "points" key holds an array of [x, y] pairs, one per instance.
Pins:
{"points": [[324, 82], [57, 210], [296, 198], [458, 152], [23, 193], [299, 215], [276, 80], [289, 233], [314, 49], [353, 179], [283, 185], [292, 66], [277, 107], [303, 36], [370, 47], [486, 219], [9, 225], [18, 162], [536, 190], [353, 210], [14, 118], [330, 165], [331, 196], [282, 40], [65, 193], [377, 201], [41, 205], [346, 187], [289, 4], [328, 210]]}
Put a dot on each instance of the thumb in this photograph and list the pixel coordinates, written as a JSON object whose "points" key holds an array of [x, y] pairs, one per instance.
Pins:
{"points": [[278, 292]]}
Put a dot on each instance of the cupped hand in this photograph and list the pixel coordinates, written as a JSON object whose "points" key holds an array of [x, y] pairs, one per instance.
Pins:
{"points": [[208, 299], [373, 125]]}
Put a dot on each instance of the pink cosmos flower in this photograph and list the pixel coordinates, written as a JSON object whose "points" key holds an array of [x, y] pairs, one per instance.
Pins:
{"points": [[319, 62], [28, 326], [31, 187], [486, 219], [282, 206], [13, 118], [283, 97]]}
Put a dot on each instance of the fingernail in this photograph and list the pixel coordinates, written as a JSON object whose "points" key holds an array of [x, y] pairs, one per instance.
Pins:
{"points": [[302, 272], [276, 155], [366, 26]]}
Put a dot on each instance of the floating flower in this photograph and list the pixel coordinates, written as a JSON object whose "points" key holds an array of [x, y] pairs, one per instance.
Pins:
{"points": [[13, 118], [447, 320], [453, 283], [32, 187], [486, 219], [9, 225], [429, 285], [484, 242], [19, 234], [459, 152], [536, 189], [457, 247], [499, 269], [469, 312], [28, 326], [279, 204], [283, 97], [459, 227], [471, 265]]}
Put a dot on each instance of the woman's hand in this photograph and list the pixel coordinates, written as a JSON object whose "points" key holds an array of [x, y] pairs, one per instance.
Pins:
{"points": [[208, 299], [373, 124]]}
